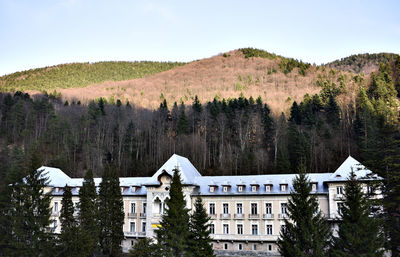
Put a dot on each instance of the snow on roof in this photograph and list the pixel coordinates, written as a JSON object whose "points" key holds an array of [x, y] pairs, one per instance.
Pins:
{"points": [[188, 172], [57, 178], [350, 164]]}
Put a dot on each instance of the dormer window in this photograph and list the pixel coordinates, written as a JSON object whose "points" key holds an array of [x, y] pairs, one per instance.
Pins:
{"points": [[134, 189], [240, 188], [283, 187], [57, 189], [314, 187], [254, 188], [268, 188], [225, 188], [212, 189]]}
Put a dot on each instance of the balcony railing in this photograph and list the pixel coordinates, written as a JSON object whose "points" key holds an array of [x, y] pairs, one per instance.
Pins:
{"points": [[225, 216], [239, 216], [254, 216], [213, 216], [142, 215], [245, 237], [132, 215], [338, 196], [55, 213], [282, 216], [135, 233], [268, 216]]}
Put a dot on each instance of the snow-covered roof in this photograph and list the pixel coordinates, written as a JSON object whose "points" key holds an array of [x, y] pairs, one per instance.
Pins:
{"points": [[349, 165], [56, 177], [188, 172]]}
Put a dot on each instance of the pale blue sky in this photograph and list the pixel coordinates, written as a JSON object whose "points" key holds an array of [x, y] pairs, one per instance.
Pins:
{"points": [[37, 33]]}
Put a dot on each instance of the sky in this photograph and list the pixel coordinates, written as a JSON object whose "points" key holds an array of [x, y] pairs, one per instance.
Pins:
{"points": [[43, 33]]}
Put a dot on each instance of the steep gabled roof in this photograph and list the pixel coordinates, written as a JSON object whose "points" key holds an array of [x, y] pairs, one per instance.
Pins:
{"points": [[57, 178], [188, 172], [351, 164]]}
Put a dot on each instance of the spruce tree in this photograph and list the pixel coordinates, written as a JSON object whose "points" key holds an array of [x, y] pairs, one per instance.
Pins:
{"points": [[359, 234], [111, 215], [306, 232], [88, 213], [145, 247], [173, 236], [70, 241], [200, 241]]}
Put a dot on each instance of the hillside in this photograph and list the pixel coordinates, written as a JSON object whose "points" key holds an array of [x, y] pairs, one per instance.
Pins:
{"points": [[362, 63], [80, 75]]}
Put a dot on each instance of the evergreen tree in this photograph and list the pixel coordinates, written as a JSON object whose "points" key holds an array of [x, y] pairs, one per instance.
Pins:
{"points": [[88, 213], [145, 247], [71, 243], [173, 236], [332, 111], [306, 232], [359, 234], [298, 147], [183, 125], [111, 215], [200, 244]]}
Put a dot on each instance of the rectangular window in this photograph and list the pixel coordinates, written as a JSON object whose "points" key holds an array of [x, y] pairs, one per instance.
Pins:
{"points": [[132, 242], [226, 229], [132, 227], [240, 247], [339, 190], [225, 246], [55, 207], [144, 207], [143, 226], [212, 229], [253, 188], [54, 223], [283, 188], [255, 247], [240, 229], [225, 189], [314, 187], [370, 190], [240, 188], [268, 188], [211, 189], [254, 229], [284, 208], [340, 208], [239, 208], [268, 208], [212, 208], [225, 208], [254, 210], [133, 207], [269, 247], [269, 229]]}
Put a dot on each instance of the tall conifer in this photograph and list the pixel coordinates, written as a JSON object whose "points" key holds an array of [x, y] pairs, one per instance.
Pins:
{"points": [[306, 233], [174, 235], [359, 234]]}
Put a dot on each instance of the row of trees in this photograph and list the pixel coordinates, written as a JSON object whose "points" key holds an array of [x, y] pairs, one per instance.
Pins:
{"points": [[307, 232], [93, 228]]}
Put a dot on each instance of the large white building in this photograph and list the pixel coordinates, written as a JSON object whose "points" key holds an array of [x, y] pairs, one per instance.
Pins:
{"points": [[246, 212]]}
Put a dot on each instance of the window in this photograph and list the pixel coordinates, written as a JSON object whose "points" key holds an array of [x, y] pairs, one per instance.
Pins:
{"points": [[55, 207], [370, 190], [211, 189], [133, 189], [240, 247], [254, 209], [269, 229], [144, 207], [269, 247], [254, 229], [225, 246], [132, 227], [268, 188], [54, 223], [143, 226], [239, 208], [255, 247], [132, 242], [283, 227], [212, 229], [240, 229], [240, 188], [225, 208], [225, 189], [340, 208], [339, 190], [212, 208], [253, 188], [314, 187], [133, 207], [284, 208], [283, 187], [268, 208], [226, 229]]}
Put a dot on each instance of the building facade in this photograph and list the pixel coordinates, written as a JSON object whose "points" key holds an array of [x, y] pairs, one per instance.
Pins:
{"points": [[246, 212]]}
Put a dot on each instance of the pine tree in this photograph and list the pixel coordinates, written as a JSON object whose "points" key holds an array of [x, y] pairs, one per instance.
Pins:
{"points": [[173, 236], [306, 232], [359, 234], [111, 215], [332, 112], [70, 241], [200, 244], [183, 124], [88, 213], [145, 247]]}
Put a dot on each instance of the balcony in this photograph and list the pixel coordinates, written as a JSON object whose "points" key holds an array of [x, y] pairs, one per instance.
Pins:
{"points": [[225, 216], [142, 215], [254, 216], [135, 234], [55, 213], [239, 216], [268, 216], [338, 197], [213, 216], [244, 237], [282, 216], [132, 215]]}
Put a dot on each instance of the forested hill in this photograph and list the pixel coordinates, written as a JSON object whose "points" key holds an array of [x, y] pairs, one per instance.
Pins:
{"points": [[75, 75], [362, 63]]}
